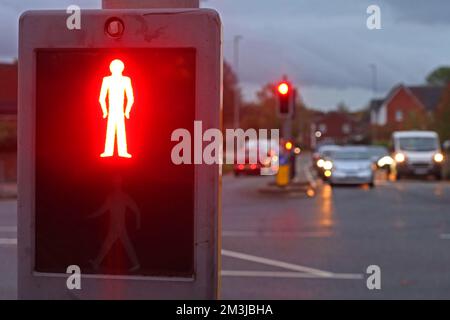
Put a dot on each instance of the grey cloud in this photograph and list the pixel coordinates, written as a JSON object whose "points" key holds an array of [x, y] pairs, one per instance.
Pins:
{"points": [[425, 12], [318, 43], [323, 43]]}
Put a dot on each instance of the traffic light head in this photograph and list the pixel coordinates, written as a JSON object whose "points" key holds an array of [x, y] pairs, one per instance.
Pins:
{"points": [[283, 88], [96, 118], [285, 98]]}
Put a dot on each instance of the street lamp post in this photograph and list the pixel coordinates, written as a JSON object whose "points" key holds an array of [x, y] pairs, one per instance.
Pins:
{"points": [[374, 69], [237, 102]]}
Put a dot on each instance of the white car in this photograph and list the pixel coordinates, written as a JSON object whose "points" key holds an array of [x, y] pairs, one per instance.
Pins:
{"points": [[352, 165]]}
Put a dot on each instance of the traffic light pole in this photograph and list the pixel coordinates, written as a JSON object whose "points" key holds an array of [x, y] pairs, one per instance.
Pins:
{"points": [[287, 128], [286, 96]]}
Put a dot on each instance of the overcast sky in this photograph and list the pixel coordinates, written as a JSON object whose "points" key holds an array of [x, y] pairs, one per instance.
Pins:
{"points": [[323, 46]]}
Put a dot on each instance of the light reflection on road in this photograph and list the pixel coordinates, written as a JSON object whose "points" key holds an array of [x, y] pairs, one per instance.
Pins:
{"points": [[325, 198]]}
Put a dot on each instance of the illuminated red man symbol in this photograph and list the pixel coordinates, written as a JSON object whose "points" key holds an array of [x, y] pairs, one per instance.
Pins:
{"points": [[116, 86]]}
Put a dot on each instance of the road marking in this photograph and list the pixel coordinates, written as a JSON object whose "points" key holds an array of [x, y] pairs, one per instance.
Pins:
{"points": [[281, 264], [274, 263], [287, 274], [8, 241], [243, 234], [8, 229]]}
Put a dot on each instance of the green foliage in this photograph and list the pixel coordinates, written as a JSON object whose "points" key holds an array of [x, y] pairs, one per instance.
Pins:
{"points": [[262, 113], [439, 77], [231, 90], [442, 117]]}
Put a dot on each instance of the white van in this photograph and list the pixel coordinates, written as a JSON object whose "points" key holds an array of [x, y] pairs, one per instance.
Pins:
{"points": [[417, 153]]}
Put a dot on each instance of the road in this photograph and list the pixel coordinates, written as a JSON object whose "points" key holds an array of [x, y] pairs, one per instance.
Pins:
{"points": [[292, 246], [295, 247], [8, 249]]}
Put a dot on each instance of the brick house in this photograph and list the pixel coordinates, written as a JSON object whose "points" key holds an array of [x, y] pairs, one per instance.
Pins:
{"points": [[404, 108], [8, 121], [332, 127], [8, 91]]}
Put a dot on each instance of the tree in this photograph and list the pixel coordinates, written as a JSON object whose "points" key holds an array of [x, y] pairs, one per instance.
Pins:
{"points": [[230, 88], [442, 118], [342, 107], [439, 77], [261, 114]]}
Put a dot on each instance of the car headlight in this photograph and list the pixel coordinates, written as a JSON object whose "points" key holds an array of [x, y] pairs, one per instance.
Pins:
{"points": [[438, 157], [267, 161], [320, 163], [399, 157], [328, 165], [385, 161]]}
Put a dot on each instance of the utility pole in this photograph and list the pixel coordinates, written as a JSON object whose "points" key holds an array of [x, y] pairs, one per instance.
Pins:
{"points": [[237, 101], [374, 69]]}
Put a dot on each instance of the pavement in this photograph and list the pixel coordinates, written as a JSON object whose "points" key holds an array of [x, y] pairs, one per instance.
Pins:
{"points": [[295, 246], [8, 190]]}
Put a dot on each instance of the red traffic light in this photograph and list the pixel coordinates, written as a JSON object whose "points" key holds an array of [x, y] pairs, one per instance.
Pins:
{"points": [[283, 88]]}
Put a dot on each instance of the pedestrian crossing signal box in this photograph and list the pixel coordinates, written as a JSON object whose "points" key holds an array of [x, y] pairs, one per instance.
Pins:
{"points": [[97, 186]]}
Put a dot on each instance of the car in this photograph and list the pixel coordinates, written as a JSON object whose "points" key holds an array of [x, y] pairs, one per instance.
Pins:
{"points": [[352, 165], [446, 146], [261, 165], [380, 156], [446, 165], [321, 159], [417, 153]]}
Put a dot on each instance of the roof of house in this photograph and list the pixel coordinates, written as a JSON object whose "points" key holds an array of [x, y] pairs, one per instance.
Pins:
{"points": [[428, 95], [375, 104]]}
